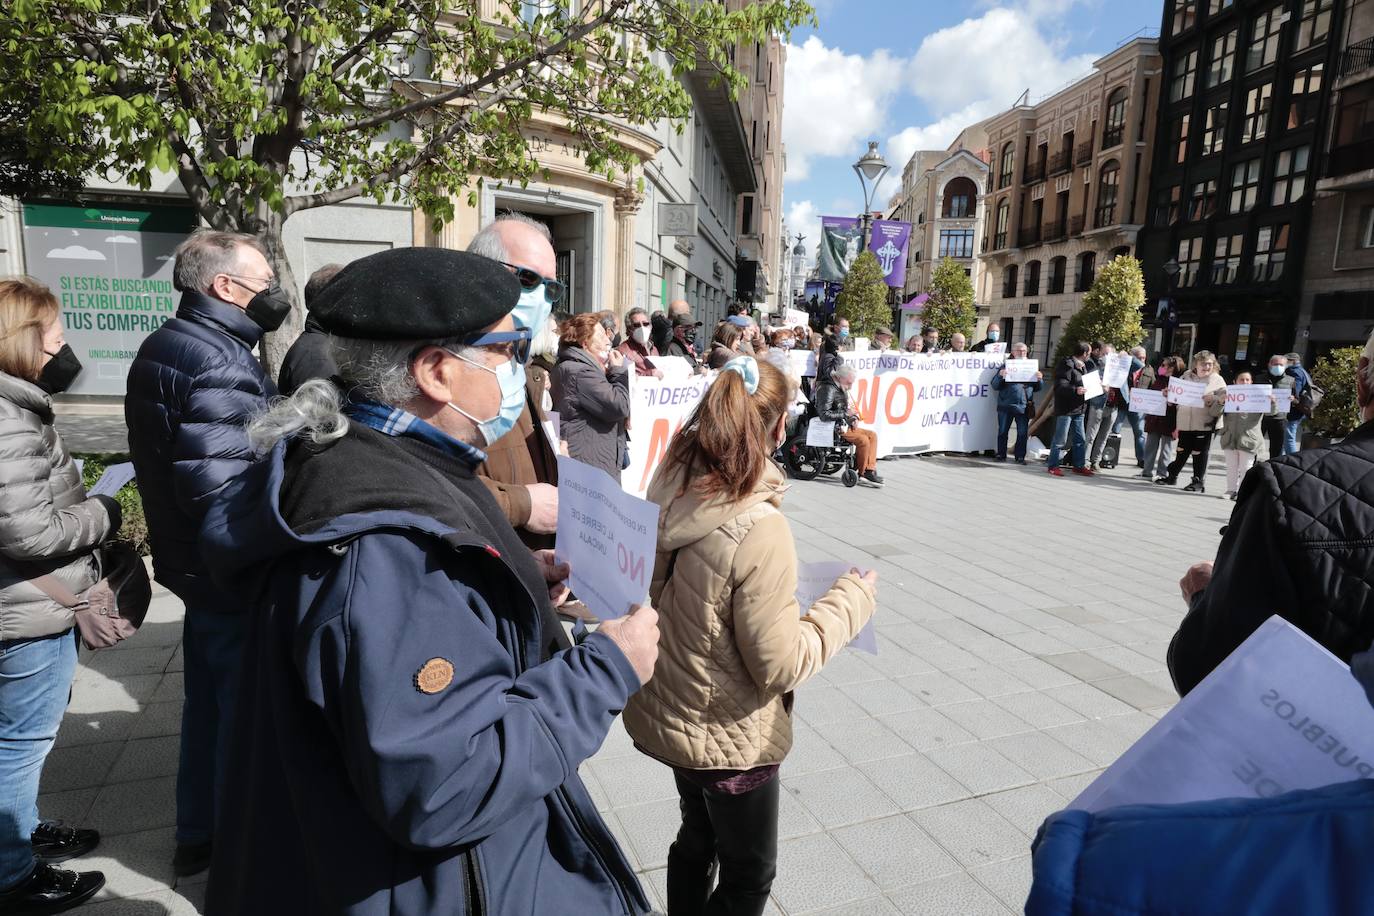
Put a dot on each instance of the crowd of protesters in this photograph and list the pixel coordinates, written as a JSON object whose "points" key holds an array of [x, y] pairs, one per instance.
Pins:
{"points": [[384, 711]]}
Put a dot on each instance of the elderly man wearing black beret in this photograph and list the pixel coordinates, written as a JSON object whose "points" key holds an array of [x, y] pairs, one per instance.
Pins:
{"points": [[407, 740]]}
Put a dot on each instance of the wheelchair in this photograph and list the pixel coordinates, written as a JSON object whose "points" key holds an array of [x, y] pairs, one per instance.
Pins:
{"points": [[807, 462]]}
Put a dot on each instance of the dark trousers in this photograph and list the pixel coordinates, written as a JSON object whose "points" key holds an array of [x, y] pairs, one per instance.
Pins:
{"points": [[1196, 444], [212, 643], [740, 832], [1004, 420], [1272, 427]]}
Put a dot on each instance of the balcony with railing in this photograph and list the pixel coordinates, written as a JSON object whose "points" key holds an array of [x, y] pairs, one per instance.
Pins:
{"points": [[1075, 225], [1009, 288], [1060, 163], [1112, 136], [1357, 58], [1029, 235], [1104, 216], [1056, 284], [999, 241], [1031, 286], [1083, 155], [1055, 231], [1035, 171]]}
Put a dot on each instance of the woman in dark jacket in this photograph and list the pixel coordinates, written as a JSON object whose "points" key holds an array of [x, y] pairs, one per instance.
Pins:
{"points": [[724, 345], [1160, 432], [48, 526], [591, 392]]}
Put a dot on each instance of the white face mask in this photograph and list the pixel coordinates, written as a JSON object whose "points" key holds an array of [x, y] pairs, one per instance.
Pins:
{"points": [[640, 335]]}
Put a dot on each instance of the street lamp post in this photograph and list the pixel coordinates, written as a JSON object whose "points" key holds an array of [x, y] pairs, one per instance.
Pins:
{"points": [[871, 169]]}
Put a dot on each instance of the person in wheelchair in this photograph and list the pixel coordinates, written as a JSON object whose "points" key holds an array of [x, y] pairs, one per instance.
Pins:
{"points": [[832, 405]]}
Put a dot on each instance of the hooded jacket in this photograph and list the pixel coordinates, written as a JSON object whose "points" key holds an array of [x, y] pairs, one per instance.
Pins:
{"points": [[191, 391], [47, 524], [405, 742], [593, 404], [733, 641]]}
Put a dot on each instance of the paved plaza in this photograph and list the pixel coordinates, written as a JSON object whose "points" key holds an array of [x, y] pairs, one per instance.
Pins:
{"points": [[1023, 623]]}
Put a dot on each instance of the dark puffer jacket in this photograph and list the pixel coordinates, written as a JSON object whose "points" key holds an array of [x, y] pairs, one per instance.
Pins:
{"points": [[1299, 545], [192, 390], [593, 404], [1068, 378]]}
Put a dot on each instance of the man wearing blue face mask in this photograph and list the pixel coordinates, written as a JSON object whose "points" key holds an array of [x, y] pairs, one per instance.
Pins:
{"points": [[994, 336], [521, 469]]}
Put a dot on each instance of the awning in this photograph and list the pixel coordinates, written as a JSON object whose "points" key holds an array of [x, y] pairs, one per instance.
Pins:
{"points": [[917, 303]]}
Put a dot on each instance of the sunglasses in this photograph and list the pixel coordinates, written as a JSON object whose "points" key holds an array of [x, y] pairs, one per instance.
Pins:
{"points": [[518, 341], [531, 279]]}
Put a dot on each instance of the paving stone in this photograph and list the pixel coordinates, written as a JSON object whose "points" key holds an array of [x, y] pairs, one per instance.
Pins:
{"points": [[914, 782], [1088, 701], [650, 828], [881, 698], [133, 863], [145, 758], [872, 906], [973, 832], [814, 873], [133, 807], [157, 720], [71, 807], [79, 766], [925, 729], [1040, 755], [1010, 880], [980, 768], [895, 852], [952, 895], [936, 688], [839, 797], [1082, 665], [634, 780], [1139, 693], [810, 753], [990, 681], [1037, 710], [820, 703], [984, 718], [859, 740], [1027, 807]]}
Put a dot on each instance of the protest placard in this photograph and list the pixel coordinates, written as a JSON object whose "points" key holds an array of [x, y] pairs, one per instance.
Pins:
{"points": [[815, 579], [1092, 385], [1283, 400], [820, 433], [1281, 713], [658, 409], [1186, 393], [674, 368], [113, 480], [1149, 402], [607, 536], [1117, 371], [1248, 399], [796, 318], [999, 347], [803, 362], [1022, 370]]}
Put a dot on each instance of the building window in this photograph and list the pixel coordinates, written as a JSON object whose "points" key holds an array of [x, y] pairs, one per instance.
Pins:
{"points": [[1008, 159], [1178, 138], [1271, 247], [1221, 66], [531, 10], [1087, 272], [1116, 119], [1290, 175], [1108, 184], [1009, 282], [1185, 16], [1003, 214], [1214, 129], [1264, 42], [1032, 287], [1185, 75], [960, 199], [956, 243], [1226, 260], [1058, 268], [1245, 178], [1365, 239], [1216, 6], [1315, 24], [1302, 102], [1189, 261], [1167, 205], [1257, 113], [1203, 204]]}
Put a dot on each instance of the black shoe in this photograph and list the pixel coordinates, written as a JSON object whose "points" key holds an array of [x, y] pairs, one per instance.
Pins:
{"points": [[1195, 487], [1140, 464], [1167, 481], [190, 859], [872, 477], [54, 843], [1020, 461], [1000, 458], [50, 890]]}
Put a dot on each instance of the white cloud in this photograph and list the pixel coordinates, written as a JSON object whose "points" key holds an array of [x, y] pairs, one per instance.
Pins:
{"points": [[804, 219], [75, 253], [937, 135], [121, 240], [834, 102]]}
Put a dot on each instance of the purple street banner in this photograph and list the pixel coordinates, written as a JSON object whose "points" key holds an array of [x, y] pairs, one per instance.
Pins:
{"points": [[888, 244], [842, 237]]}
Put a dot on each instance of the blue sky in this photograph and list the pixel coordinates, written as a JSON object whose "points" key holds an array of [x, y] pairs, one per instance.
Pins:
{"points": [[911, 73]]}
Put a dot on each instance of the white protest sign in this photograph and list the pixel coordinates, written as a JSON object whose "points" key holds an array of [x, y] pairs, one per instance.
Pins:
{"points": [[1281, 713], [1022, 370], [113, 480], [1117, 371], [820, 433], [1283, 400], [1248, 399], [1149, 402], [607, 536], [998, 347], [803, 362], [926, 402], [1186, 393], [674, 368], [796, 318], [1092, 385], [814, 580], [658, 408]]}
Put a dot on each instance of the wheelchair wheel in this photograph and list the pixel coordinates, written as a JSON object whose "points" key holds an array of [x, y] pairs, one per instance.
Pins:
{"points": [[850, 477], [803, 462]]}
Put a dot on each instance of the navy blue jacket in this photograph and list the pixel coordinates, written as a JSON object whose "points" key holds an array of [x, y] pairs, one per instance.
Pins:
{"points": [[191, 391], [352, 790], [1013, 397]]}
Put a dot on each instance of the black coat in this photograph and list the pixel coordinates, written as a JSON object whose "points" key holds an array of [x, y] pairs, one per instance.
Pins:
{"points": [[1298, 545], [832, 403], [593, 404], [1068, 378], [191, 391], [308, 358]]}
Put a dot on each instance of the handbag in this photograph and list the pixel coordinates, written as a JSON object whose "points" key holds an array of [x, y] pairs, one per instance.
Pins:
{"points": [[112, 609]]}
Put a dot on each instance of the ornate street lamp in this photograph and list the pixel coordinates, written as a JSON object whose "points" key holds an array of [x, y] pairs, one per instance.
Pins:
{"points": [[871, 169]]}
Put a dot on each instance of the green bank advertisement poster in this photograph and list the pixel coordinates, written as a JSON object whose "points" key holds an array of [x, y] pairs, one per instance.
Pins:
{"points": [[111, 270]]}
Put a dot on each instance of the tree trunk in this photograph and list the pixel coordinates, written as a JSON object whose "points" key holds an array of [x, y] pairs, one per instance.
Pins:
{"points": [[275, 344]]}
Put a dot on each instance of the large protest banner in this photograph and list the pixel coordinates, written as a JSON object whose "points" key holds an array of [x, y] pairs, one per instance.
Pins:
{"points": [[657, 411]]}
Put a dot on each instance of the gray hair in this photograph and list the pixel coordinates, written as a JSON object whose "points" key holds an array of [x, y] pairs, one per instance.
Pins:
{"points": [[487, 242], [1368, 357], [378, 370], [206, 254], [545, 341], [633, 312], [1140, 353], [1021, 344], [841, 372]]}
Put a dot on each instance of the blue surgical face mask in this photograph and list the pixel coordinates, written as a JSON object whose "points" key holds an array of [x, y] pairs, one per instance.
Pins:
{"points": [[1276, 371], [844, 332], [994, 335], [510, 375], [533, 309]]}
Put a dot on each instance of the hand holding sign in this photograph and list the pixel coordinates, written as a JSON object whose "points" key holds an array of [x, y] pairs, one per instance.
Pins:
{"points": [[1149, 402], [1117, 371], [113, 480], [815, 579], [1022, 370], [637, 637], [1092, 385], [1186, 392]]}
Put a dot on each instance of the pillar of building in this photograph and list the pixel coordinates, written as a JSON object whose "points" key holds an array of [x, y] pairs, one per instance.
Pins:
{"points": [[627, 203]]}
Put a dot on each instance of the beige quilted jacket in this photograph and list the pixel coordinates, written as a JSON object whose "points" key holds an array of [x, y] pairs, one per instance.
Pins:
{"points": [[733, 641]]}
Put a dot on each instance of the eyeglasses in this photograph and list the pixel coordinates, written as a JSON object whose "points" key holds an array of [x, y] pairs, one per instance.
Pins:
{"points": [[641, 324], [530, 279], [517, 342]]}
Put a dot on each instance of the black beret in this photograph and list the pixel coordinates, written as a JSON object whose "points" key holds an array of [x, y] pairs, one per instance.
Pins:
{"points": [[416, 294]]}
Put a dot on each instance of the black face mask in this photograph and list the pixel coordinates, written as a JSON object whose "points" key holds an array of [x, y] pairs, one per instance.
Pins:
{"points": [[58, 375], [689, 335], [269, 307]]}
